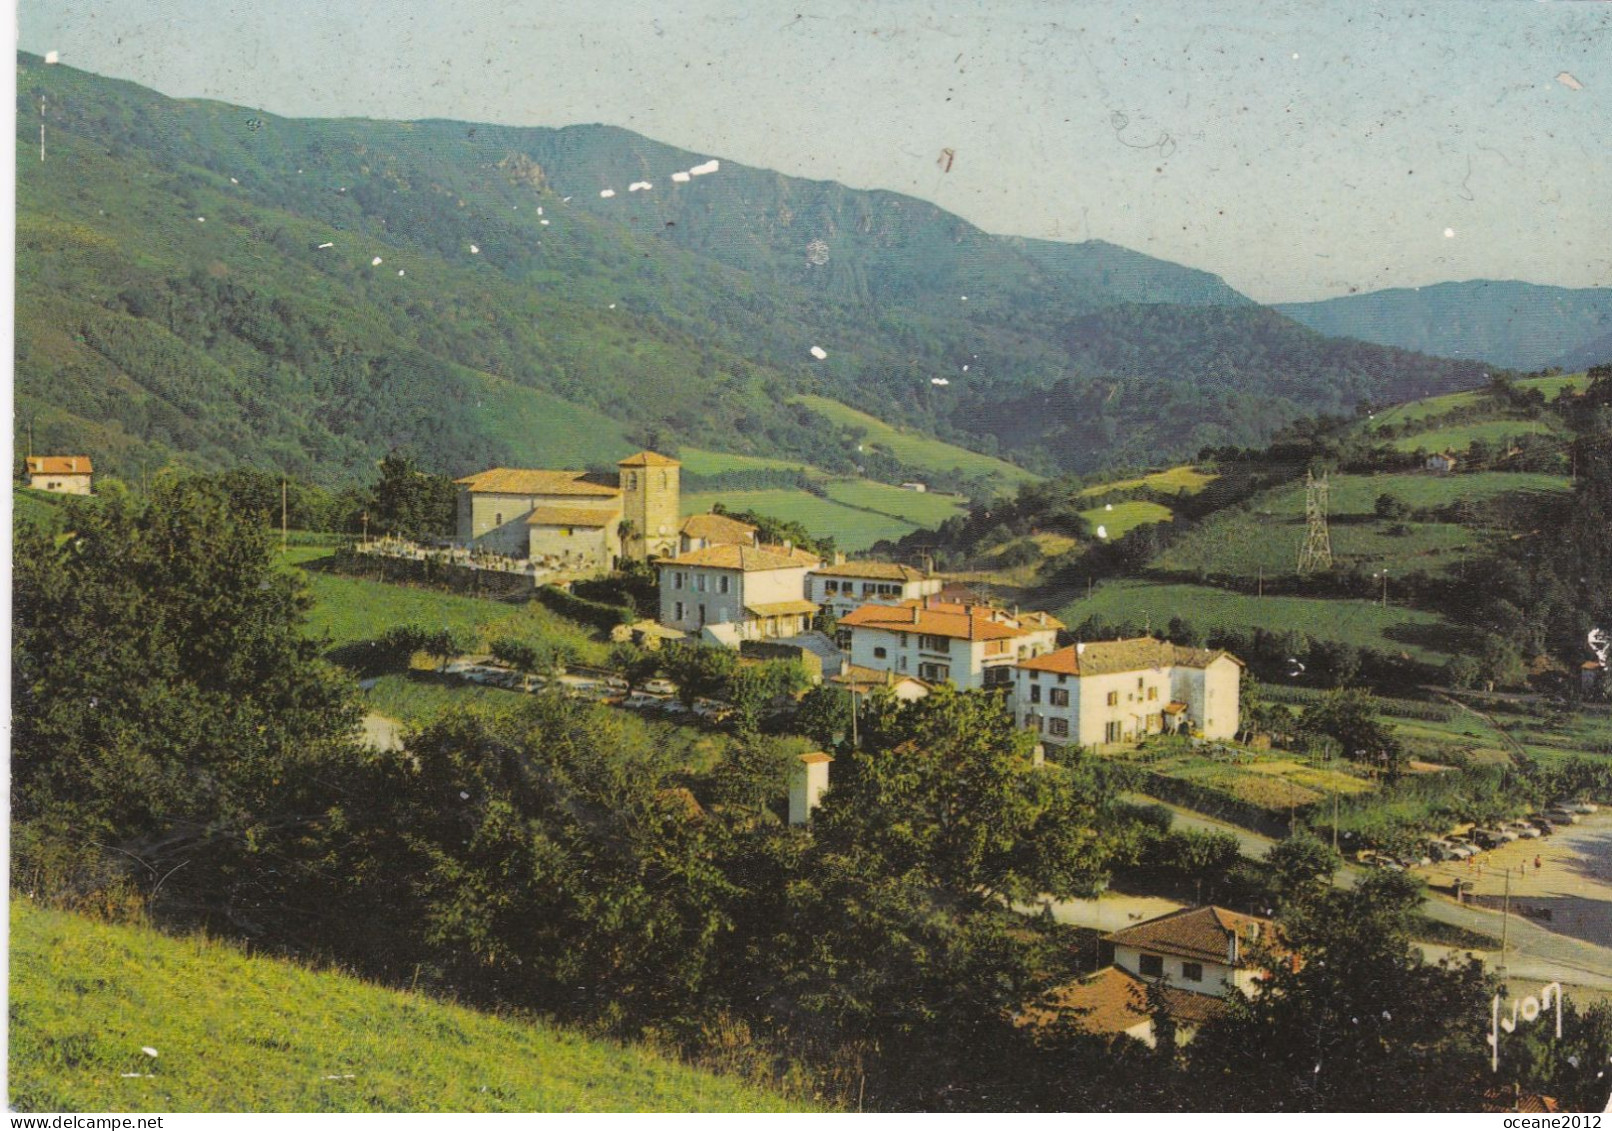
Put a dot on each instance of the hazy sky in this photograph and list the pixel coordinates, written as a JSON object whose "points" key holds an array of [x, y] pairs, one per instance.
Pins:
{"points": [[1300, 150]]}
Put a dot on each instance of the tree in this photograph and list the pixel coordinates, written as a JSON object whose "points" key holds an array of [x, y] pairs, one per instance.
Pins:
{"points": [[168, 704], [1348, 716], [698, 671], [1390, 507], [944, 788], [632, 663], [409, 503], [1301, 866], [1354, 1020]]}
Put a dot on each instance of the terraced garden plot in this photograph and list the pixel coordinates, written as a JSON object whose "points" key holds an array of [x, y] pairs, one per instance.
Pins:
{"points": [[1422, 636]]}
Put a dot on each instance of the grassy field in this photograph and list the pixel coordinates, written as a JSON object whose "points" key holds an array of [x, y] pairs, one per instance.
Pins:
{"points": [[1421, 635], [41, 508], [921, 508], [698, 461], [350, 609], [235, 1033], [852, 529], [1456, 437], [541, 430], [1266, 535], [1183, 480], [1119, 519], [915, 450]]}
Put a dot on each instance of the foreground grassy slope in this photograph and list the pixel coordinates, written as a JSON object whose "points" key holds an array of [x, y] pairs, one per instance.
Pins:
{"points": [[235, 1033]]}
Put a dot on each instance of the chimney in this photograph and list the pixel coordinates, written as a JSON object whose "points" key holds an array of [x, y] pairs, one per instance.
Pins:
{"points": [[73, 463], [807, 786], [839, 557], [915, 614], [1231, 950]]}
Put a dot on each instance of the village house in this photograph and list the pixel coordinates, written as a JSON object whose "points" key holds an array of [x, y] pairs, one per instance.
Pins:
{"points": [[1113, 691], [65, 475], [1197, 957], [1442, 462], [573, 520], [864, 681], [846, 586], [727, 594], [968, 646], [701, 530]]}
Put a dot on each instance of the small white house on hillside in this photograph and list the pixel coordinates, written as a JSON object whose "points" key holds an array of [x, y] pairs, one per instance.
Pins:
{"points": [[1115, 691]]}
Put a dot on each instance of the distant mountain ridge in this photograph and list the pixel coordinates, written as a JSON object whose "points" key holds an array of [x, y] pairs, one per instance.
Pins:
{"points": [[211, 282], [1510, 325]]}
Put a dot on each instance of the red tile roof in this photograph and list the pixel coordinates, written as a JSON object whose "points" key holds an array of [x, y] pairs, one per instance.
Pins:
{"points": [[750, 559], [1115, 1001], [910, 617], [59, 465], [648, 459], [522, 481], [719, 528], [1202, 933], [1105, 657], [872, 571]]}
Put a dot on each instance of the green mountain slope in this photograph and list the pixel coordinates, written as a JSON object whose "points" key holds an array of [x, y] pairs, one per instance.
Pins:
{"points": [[233, 1033], [200, 279], [1516, 325]]}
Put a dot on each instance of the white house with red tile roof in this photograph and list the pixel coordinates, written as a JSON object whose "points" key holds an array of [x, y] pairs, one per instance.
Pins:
{"points": [[726, 594], [1115, 691], [968, 646], [65, 475]]}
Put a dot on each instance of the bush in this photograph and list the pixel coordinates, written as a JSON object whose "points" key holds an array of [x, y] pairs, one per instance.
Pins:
{"points": [[595, 613]]}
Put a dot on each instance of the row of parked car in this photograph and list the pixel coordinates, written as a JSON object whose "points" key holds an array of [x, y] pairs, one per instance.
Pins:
{"points": [[655, 695], [1462, 846]]}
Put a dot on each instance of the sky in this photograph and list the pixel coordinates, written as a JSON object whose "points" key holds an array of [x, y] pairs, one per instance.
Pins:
{"points": [[1299, 150]]}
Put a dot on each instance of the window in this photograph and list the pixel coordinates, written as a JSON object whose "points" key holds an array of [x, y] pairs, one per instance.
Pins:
{"points": [[722, 583], [632, 481], [678, 611], [1059, 697], [1035, 675], [1192, 971], [1138, 683], [566, 531], [1152, 694], [842, 639], [901, 663], [868, 588], [903, 639], [1111, 732], [498, 518], [935, 673], [677, 580], [1113, 699], [702, 614], [999, 676], [934, 644], [880, 653], [1035, 693], [1151, 965], [830, 587], [1058, 728]]}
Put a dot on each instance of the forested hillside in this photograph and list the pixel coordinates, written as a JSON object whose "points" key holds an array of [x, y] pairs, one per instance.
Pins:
{"points": [[210, 282]]}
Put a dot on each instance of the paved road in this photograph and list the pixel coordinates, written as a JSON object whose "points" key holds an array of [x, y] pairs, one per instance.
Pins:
{"points": [[1532, 952]]}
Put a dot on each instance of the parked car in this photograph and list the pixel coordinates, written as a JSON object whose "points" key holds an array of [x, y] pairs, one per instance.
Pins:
{"points": [[1561, 817], [1543, 825], [1439, 850], [660, 687], [1526, 831], [1585, 807]]}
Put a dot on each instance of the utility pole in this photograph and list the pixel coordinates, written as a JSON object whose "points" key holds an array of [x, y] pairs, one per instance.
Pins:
{"points": [[1505, 923], [41, 127], [1262, 580], [282, 517]]}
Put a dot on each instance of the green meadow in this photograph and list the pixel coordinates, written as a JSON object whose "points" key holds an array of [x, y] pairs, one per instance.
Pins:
{"points": [[914, 450], [238, 1033]]}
